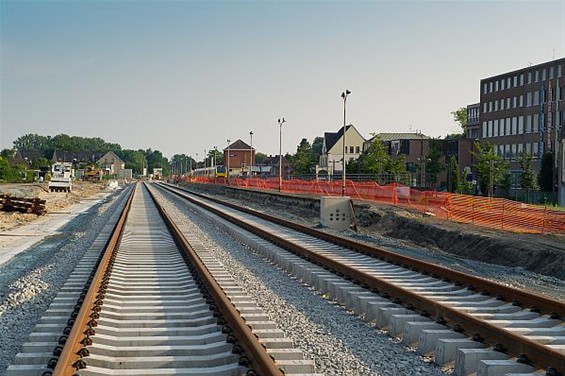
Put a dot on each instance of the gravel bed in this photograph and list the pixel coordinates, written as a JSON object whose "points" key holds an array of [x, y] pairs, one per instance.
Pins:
{"points": [[511, 276], [339, 342], [30, 280]]}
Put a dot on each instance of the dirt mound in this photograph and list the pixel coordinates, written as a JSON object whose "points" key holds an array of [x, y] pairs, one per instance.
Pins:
{"points": [[544, 254]]}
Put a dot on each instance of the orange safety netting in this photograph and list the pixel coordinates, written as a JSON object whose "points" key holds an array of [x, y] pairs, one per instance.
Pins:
{"points": [[496, 213]]}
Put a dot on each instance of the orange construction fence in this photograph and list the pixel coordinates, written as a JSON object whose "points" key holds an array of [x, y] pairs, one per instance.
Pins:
{"points": [[496, 213]]}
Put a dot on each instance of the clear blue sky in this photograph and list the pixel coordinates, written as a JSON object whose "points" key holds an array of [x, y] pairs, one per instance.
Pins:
{"points": [[184, 76]]}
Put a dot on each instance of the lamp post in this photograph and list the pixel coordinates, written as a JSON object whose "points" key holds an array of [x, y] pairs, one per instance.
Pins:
{"points": [[215, 151], [344, 95], [196, 162], [251, 154], [281, 122], [204, 158], [228, 158]]}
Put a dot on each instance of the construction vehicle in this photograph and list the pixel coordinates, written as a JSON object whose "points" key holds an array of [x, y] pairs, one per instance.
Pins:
{"points": [[61, 177], [92, 174]]}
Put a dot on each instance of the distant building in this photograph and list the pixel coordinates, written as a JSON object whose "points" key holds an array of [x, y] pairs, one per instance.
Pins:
{"points": [[331, 159], [522, 111], [111, 163], [239, 158], [270, 166], [473, 121]]}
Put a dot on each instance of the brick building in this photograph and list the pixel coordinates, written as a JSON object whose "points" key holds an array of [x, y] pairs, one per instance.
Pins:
{"points": [[521, 111]]}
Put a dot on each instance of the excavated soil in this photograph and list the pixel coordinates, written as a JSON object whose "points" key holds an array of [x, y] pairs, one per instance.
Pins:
{"points": [[544, 254], [54, 201]]}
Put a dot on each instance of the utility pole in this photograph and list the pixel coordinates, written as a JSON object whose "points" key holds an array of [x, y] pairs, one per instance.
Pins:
{"points": [[344, 95]]}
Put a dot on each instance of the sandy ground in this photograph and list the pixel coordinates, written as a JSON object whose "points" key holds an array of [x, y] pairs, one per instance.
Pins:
{"points": [[55, 201]]}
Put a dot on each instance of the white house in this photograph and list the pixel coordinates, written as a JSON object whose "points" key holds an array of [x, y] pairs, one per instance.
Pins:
{"points": [[331, 159]]}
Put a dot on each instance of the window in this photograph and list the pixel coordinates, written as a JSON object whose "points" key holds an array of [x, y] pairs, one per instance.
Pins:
{"points": [[520, 148], [485, 88], [529, 77], [543, 74], [515, 81], [528, 124], [514, 151], [484, 129], [496, 105], [502, 127], [522, 79], [508, 126], [489, 106], [528, 148], [520, 125], [490, 87], [508, 82], [550, 73], [502, 104], [489, 129], [535, 149], [521, 103], [507, 102], [351, 149], [502, 82], [535, 122], [495, 130], [357, 149], [514, 129], [507, 151], [528, 99], [485, 108], [514, 102], [537, 76], [559, 70], [536, 98], [496, 85]]}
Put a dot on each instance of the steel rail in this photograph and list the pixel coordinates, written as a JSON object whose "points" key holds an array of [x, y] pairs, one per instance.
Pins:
{"points": [[260, 360], [514, 344], [79, 337], [501, 292]]}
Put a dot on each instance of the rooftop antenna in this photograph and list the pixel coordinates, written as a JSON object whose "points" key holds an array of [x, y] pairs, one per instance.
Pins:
{"points": [[529, 64]]}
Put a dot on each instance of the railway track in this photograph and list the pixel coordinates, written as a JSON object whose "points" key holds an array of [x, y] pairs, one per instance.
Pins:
{"points": [[475, 325], [154, 305]]}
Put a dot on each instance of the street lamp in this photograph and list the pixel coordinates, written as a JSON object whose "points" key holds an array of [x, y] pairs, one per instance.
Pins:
{"points": [[344, 95], [196, 160], [204, 158], [215, 151], [281, 121], [251, 155], [228, 158]]}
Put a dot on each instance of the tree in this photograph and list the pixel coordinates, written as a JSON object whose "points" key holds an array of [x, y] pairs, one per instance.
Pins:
{"points": [[317, 146], [490, 167], [453, 176], [545, 177], [376, 160], [260, 157], [303, 163], [435, 162], [528, 178], [8, 173], [460, 116]]}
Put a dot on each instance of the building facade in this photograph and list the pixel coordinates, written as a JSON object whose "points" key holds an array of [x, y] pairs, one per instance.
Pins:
{"points": [[239, 156], [331, 159]]}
